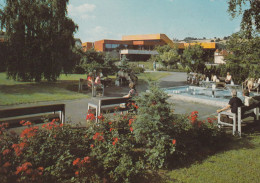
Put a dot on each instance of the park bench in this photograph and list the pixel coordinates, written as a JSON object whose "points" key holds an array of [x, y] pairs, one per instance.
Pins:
{"points": [[95, 89], [14, 115], [242, 113], [107, 104]]}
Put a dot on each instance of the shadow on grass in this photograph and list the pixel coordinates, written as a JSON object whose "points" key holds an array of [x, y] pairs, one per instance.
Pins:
{"points": [[227, 143], [42, 87]]}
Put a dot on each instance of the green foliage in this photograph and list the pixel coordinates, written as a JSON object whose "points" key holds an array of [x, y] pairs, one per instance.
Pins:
{"points": [[151, 128], [121, 148], [251, 16], [243, 50], [167, 56], [40, 39], [194, 58], [92, 60], [136, 69]]}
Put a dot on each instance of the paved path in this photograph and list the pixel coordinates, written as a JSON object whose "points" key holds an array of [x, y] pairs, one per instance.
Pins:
{"points": [[76, 110]]}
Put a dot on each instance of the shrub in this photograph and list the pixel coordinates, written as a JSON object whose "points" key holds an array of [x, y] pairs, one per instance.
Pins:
{"points": [[120, 148]]}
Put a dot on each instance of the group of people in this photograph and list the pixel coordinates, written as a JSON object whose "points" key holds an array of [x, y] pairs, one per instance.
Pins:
{"points": [[251, 84], [96, 82], [195, 78], [228, 78], [236, 102], [125, 77]]}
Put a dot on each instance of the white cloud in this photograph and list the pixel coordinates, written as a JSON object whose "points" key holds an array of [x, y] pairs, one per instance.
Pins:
{"points": [[99, 33], [81, 11]]}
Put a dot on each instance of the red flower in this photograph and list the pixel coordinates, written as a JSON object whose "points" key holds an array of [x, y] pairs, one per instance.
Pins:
{"points": [[193, 117], [6, 151], [173, 141], [131, 129], [18, 148], [111, 129], [29, 132], [40, 170], [115, 141], [101, 117], [98, 136], [76, 161], [7, 164], [91, 117], [23, 167], [77, 173], [29, 171], [130, 121], [86, 159], [91, 145], [110, 123], [116, 108]]}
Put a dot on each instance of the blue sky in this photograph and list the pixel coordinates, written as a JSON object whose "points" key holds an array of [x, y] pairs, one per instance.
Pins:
{"points": [[111, 19]]}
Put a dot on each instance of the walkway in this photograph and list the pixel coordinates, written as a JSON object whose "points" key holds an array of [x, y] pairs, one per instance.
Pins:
{"points": [[76, 110]]}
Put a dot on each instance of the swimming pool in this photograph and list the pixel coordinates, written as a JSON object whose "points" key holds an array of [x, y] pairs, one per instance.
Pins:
{"points": [[220, 97]]}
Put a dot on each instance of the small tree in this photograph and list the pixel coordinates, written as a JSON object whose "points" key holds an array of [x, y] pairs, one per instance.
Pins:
{"points": [[152, 126], [193, 57]]}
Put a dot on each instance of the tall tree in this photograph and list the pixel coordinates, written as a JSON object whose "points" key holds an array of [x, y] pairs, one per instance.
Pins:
{"points": [[250, 16], [194, 58], [40, 38], [243, 50]]}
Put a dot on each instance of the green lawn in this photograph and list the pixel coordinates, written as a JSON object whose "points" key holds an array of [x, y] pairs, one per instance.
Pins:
{"points": [[241, 163], [14, 92]]}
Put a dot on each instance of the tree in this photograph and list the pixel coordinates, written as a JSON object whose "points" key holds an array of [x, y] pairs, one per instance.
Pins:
{"points": [[243, 50], [40, 39], [168, 56], [194, 58], [250, 17]]}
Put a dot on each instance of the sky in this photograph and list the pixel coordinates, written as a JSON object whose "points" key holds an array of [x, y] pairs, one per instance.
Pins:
{"points": [[111, 19]]}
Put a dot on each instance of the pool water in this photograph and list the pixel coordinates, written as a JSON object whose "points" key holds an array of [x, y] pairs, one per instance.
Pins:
{"points": [[222, 95]]}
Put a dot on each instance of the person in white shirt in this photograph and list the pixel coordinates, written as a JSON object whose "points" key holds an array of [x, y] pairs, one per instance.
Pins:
{"points": [[248, 100], [228, 78], [214, 78]]}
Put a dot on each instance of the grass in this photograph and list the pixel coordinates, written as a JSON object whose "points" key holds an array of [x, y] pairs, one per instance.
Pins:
{"points": [[153, 76], [14, 92], [239, 163], [66, 88]]}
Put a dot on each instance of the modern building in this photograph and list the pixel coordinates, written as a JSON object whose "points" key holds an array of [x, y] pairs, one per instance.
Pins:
{"points": [[140, 47]]}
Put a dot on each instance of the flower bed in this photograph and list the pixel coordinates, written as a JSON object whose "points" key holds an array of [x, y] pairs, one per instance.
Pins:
{"points": [[121, 148]]}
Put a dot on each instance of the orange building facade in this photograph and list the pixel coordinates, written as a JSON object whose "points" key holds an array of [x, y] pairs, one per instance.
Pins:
{"points": [[139, 47]]}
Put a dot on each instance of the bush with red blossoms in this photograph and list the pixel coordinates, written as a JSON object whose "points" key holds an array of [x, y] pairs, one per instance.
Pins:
{"points": [[119, 148]]}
